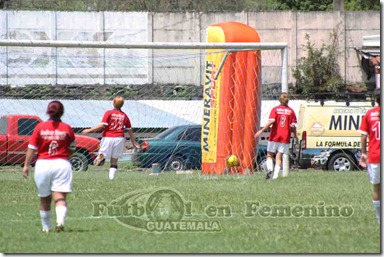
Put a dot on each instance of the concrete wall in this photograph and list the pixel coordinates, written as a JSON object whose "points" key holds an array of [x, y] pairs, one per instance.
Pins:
{"points": [[48, 66], [23, 66], [288, 27]]}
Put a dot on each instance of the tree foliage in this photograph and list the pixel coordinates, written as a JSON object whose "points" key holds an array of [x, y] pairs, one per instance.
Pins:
{"points": [[362, 5], [305, 5], [319, 71], [186, 5], [327, 5]]}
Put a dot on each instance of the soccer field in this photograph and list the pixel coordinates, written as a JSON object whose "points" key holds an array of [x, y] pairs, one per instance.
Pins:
{"points": [[307, 212]]}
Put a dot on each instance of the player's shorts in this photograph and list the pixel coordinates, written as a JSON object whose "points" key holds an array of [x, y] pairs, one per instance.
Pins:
{"points": [[53, 176], [277, 147], [374, 172], [112, 147]]}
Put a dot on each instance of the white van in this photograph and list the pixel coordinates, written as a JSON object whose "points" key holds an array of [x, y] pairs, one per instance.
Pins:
{"points": [[328, 135]]}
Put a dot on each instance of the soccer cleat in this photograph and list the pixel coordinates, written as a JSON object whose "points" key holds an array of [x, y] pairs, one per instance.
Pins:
{"points": [[268, 175], [59, 228], [100, 160], [46, 230]]}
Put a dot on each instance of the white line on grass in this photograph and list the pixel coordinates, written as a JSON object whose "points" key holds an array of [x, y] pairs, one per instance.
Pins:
{"points": [[93, 218]]}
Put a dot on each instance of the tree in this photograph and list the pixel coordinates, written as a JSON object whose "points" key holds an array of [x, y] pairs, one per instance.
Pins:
{"points": [[338, 5], [319, 71], [362, 5], [188, 5], [305, 5], [328, 5], [4, 3]]}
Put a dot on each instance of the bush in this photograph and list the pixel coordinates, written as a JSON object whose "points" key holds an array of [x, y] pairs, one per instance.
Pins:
{"points": [[319, 72]]}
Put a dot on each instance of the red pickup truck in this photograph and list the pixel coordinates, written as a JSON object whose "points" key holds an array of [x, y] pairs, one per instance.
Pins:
{"points": [[16, 131]]}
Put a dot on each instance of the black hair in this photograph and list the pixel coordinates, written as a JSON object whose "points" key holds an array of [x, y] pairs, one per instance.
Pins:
{"points": [[377, 94], [55, 109]]}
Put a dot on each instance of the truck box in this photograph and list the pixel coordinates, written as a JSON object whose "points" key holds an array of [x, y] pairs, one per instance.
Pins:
{"points": [[329, 136]]}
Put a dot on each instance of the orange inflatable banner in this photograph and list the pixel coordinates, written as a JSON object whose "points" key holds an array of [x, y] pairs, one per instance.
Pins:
{"points": [[232, 101]]}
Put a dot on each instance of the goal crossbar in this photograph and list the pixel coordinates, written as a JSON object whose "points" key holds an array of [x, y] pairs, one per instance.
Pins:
{"points": [[162, 45], [152, 45]]}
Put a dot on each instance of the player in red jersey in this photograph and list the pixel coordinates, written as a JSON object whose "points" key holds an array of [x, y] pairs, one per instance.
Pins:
{"points": [[370, 133], [113, 125], [53, 141], [283, 120]]}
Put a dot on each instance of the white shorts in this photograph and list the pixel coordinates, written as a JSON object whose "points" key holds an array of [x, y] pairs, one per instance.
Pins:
{"points": [[112, 147], [374, 172], [277, 147], [53, 176]]}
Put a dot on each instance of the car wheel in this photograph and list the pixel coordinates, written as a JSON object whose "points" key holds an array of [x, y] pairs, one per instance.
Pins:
{"points": [[176, 163], [341, 162], [79, 162]]}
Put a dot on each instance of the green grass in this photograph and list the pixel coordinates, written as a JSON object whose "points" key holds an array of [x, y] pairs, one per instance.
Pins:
{"points": [[360, 233]]}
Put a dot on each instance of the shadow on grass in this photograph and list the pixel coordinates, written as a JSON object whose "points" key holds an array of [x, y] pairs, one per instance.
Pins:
{"points": [[79, 230]]}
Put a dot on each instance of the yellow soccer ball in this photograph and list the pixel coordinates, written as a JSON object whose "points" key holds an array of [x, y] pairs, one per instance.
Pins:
{"points": [[232, 161]]}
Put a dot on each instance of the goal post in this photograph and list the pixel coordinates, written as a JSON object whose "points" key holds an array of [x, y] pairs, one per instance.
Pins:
{"points": [[161, 81], [283, 47]]}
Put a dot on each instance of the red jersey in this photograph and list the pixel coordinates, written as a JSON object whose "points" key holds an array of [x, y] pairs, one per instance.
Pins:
{"points": [[284, 118], [115, 121], [370, 126], [53, 140]]}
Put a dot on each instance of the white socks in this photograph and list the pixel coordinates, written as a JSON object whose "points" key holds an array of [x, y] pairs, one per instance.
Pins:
{"points": [[112, 173], [285, 165], [269, 164], [276, 172], [61, 213], [45, 219], [376, 204]]}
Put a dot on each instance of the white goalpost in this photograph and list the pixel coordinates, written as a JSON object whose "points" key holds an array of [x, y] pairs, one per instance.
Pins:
{"points": [[283, 47], [161, 81]]}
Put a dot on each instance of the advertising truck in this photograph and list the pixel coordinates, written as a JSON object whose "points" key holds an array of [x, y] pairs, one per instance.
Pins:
{"points": [[328, 135]]}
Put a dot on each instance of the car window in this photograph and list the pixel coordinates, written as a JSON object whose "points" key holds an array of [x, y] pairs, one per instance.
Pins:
{"points": [[193, 134], [181, 133], [25, 127], [3, 125], [166, 133], [190, 134], [181, 136]]}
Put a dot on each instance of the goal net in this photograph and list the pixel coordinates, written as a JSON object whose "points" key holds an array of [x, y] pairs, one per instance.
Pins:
{"points": [[162, 84]]}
